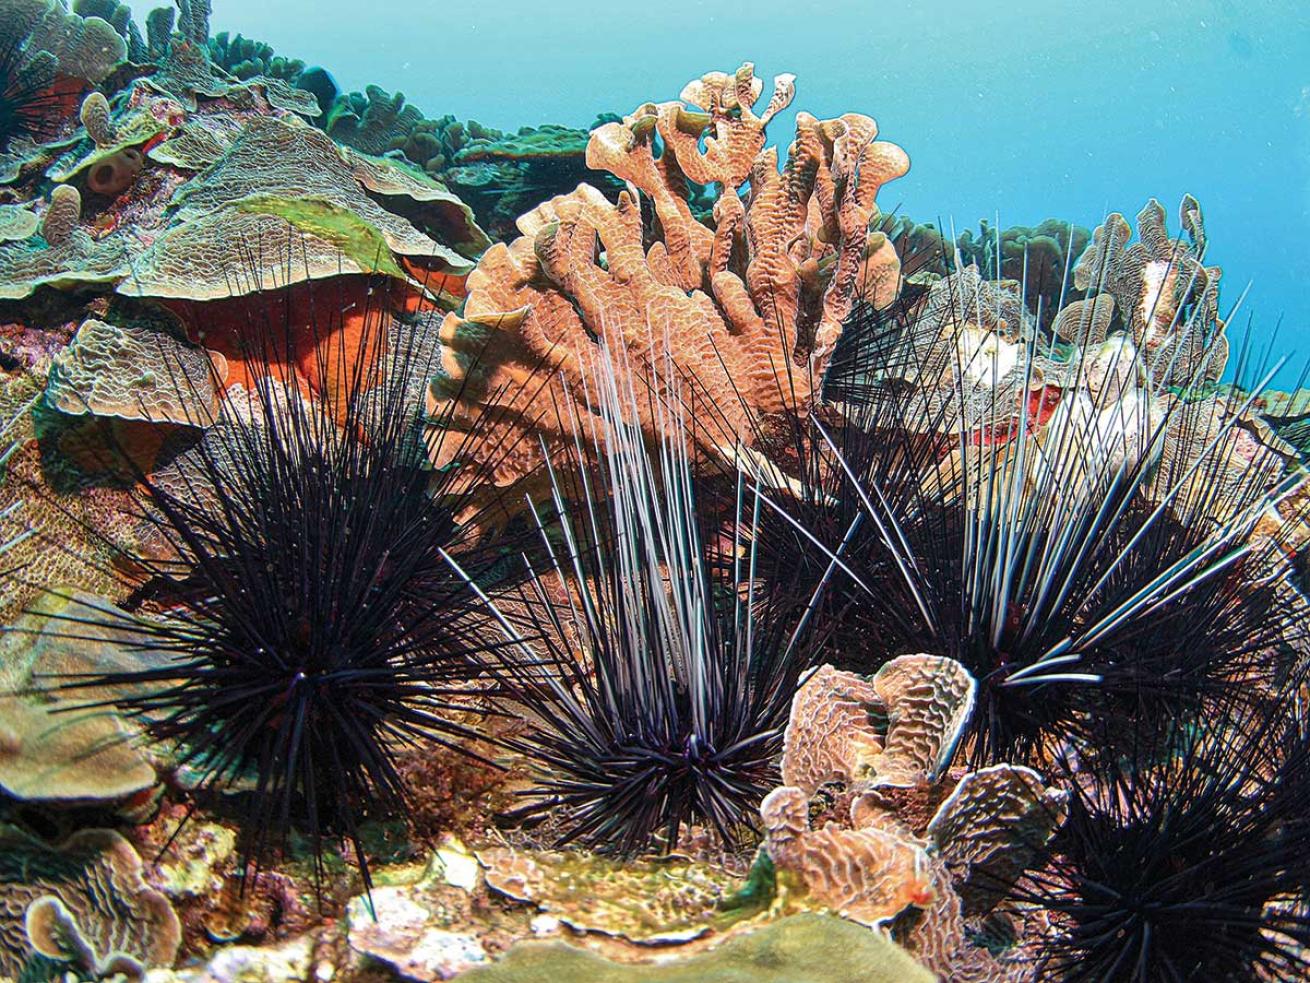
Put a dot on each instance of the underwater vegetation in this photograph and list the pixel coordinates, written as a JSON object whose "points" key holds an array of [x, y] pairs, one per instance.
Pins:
{"points": [[623, 552]]}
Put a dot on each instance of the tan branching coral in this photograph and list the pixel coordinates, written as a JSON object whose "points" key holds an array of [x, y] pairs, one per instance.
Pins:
{"points": [[751, 307], [992, 829], [929, 700], [925, 699], [828, 737], [53, 932]]}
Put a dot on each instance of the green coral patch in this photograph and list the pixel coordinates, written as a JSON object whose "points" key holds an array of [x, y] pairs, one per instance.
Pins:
{"points": [[800, 949], [670, 899], [344, 229]]}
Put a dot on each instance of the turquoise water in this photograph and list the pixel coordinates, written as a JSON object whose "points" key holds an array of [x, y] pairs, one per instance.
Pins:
{"points": [[1013, 111]]}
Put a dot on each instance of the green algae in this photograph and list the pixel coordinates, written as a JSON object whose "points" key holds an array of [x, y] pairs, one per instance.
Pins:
{"points": [[800, 949], [356, 238]]}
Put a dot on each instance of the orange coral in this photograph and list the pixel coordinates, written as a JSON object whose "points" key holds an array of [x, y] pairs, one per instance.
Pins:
{"points": [[750, 308], [307, 327]]}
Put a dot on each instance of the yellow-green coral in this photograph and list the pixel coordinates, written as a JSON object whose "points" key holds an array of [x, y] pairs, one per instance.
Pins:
{"points": [[229, 252], [357, 240], [801, 949], [671, 899], [281, 158], [48, 753]]}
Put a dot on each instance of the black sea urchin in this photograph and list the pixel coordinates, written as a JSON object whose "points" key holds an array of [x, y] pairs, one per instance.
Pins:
{"points": [[312, 628], [1184, 857], [1079, 523], [673, 681], [29, 103]]}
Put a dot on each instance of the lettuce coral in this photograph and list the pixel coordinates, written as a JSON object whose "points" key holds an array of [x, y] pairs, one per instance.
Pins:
{"points": [[95, 881], [752, 307], [85, 47], [48, 754], [865, 766], [276, 157], [137, 374]]}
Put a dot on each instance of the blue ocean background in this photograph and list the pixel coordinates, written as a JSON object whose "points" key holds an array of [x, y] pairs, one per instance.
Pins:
{"points": [[1013, 112]]}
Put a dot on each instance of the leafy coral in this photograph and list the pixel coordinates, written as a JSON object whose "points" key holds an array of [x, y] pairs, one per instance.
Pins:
{"points": [[84, 47], [94, 879], [247, 58], [119, 16], [751, 309]]}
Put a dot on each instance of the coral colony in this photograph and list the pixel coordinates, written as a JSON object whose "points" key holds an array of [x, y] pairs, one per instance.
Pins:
{"points": [[436, 552]]}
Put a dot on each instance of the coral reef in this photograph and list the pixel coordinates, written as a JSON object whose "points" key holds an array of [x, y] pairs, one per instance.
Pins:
{"points": [[371, 122], [119, 16], [211, 190], [503, 176], [246, 58], [847, 570]]}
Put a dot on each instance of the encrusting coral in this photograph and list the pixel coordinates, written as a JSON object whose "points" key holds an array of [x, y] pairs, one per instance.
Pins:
{"points": [[751, 309], [137, 374], [81, 901], [48, 753], [798, 949]]}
